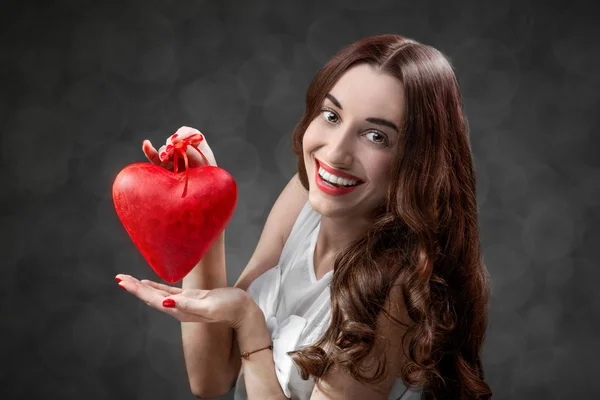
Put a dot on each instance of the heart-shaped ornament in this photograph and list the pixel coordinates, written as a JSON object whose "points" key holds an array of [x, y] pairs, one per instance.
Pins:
{"points": [[173, 218]]}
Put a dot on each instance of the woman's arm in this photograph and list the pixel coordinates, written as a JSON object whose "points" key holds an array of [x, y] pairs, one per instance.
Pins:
{"points": [[209, 347], [212, 355], [259, 369]]}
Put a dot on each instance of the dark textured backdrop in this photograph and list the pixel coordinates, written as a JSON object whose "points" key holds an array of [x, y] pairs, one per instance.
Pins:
{"points": [[84, 82]]}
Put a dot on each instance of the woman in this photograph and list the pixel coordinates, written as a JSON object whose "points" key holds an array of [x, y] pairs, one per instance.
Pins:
{"points": [[367, 281]]}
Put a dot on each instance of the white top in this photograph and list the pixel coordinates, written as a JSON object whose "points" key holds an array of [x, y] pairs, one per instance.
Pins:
{"points": [[297, 309]]}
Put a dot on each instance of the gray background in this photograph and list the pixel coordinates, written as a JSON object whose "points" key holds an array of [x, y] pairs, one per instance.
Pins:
{"points": [[84, 82]]}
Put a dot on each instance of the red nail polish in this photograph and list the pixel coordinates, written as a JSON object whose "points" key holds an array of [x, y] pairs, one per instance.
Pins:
{"points": [[170, 303], [118, 279], [122, 287], [163, 155], [169, 147], [174, 136]]}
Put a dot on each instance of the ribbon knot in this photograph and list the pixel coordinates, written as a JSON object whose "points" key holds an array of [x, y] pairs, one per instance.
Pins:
{"points": [[180, 148]]}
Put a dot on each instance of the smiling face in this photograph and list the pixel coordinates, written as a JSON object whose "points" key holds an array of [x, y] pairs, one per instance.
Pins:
{"points": [[355, 136]]}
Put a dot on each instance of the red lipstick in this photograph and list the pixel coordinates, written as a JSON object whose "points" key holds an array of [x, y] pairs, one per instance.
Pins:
{"points": [[337, 172], [330, 190]]}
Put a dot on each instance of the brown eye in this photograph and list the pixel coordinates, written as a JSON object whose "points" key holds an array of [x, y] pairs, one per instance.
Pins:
{"points": [[377, 138], [330, 116]]}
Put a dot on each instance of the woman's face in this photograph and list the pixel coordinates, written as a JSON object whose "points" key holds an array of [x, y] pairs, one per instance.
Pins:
{"points": [[355, 136]]}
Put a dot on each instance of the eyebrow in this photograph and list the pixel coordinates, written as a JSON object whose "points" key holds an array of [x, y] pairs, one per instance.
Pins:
{"points": [[376, 121]]}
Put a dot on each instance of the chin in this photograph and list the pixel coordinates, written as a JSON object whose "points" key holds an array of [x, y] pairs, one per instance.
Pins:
{"points": [[327, 206]]}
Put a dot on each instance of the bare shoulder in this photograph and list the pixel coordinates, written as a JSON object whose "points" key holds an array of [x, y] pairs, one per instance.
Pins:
{"points": [[276, 231]]}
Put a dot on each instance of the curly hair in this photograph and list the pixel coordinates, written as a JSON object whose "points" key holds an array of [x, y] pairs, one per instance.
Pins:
{"points": [[424, 236]]}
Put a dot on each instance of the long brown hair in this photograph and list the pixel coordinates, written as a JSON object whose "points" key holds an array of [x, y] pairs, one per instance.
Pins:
{"points": [[425, 235]]}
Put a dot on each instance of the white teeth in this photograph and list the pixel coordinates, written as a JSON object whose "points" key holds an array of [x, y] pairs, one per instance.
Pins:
{"points": [[337, 180]]}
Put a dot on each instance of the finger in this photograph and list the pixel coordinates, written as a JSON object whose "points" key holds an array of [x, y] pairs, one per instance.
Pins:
{"points": [[163, 293], [150, 152], [162, 154], [126, 281], [200, 307], [182, 133], [166, 157], [206, 150], [147, 294], [125, 277], [206, 158], [160, 286], [195, 159]]}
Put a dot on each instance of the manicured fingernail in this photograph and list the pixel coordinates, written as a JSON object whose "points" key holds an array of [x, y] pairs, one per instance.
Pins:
{"points": [[122, 287], [169, 147], [174, 136], [163, 155], [118, 279], [170, 303]]}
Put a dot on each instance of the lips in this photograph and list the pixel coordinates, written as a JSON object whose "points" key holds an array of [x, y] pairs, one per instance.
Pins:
{"points": [[330, 190], [337, 172]]}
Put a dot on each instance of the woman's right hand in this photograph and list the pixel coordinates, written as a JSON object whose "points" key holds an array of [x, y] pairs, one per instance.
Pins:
{"points": [[164, 159]]}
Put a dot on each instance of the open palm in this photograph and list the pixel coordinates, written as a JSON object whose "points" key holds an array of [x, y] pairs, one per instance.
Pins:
{"points": [[221, 305]]}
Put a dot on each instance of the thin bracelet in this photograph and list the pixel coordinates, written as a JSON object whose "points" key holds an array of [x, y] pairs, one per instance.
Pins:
{"points": [[247, 354]]}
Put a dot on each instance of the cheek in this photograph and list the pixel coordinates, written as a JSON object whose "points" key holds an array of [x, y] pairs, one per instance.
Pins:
{"points": [[310, 139], [382, 171]]}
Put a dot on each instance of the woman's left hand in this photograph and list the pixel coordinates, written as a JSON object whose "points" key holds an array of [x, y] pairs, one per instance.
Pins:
{"points": [[225, 305]]}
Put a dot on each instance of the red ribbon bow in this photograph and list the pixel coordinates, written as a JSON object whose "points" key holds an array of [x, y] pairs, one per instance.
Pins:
{"points": [[180, 148]]}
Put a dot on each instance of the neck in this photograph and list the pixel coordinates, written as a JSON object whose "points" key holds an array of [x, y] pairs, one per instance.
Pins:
{"points": [[335, 235]]}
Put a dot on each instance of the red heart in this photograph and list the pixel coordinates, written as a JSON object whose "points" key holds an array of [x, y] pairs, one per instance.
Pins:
{"points": [[173, 229]]}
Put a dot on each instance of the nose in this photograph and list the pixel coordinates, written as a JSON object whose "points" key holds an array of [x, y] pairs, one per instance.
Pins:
{"points": [[340, 150]]}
